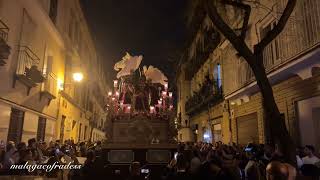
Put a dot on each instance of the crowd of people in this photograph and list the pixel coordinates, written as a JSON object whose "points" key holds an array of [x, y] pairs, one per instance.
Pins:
{"points": [[253, 162], [39, 152], [191, 161]]}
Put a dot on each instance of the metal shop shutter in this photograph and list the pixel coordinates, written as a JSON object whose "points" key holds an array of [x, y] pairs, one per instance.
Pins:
{"points": [[247, 129]]}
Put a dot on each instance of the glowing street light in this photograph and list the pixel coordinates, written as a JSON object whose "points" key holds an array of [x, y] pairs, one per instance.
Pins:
{"points": [[78, 76]]}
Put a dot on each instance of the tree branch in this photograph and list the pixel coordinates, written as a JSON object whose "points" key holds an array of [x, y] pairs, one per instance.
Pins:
{"points": [[247, 12], [271, 35], [237, 42]]}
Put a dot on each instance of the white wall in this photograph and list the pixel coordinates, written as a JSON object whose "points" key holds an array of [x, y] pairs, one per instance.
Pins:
{"points": [[30, 126]]}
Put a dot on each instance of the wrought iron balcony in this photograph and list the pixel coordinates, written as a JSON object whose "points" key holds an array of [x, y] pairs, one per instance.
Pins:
{"points": [[49, 87], [4, 47], [28, 71], [209, 95], [300, 36]]}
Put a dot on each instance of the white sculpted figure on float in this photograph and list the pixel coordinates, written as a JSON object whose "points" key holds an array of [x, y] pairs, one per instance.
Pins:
{"points": [[127, 65], [122, 63], [155, 75]]}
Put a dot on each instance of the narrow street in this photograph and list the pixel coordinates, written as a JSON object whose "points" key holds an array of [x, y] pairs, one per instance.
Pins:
{"points": [[160, 90]]}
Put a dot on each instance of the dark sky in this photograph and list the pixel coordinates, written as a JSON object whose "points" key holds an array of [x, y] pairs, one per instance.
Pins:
{"points": [[155, 29]]}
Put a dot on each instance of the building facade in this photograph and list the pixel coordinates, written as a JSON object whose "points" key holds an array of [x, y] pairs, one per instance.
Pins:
{"points": [[40, 52], [292, 64]]}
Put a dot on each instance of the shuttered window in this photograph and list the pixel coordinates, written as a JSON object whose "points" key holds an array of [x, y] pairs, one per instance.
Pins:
{"points": [[247, 129], [41, 129], [15, 125]]}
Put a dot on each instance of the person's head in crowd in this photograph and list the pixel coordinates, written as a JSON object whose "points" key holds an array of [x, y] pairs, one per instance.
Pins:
{"points": [[35, 155], [268, 150], [58, 141], [300, 151], [51, 144], [26, 155], [21, 146], [277, 171], [10, 147], [181, 162], [251, 151], [309, 150], [135, 168], [91, 156], [32, 143], [43, 145]]}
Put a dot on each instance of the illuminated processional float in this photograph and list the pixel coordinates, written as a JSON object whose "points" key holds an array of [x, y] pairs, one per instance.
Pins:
{"points": [[140, 106]]}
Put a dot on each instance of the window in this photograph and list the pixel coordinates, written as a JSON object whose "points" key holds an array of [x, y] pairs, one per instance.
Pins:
{"points": [[63, 119], [272, 52], [79, 137], [15, 125], [53, 11], [41, 129], [85, 132], [217, 75]]}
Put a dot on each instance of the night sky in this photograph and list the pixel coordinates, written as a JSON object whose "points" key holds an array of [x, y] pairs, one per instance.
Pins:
{"points": [[155, 29]]}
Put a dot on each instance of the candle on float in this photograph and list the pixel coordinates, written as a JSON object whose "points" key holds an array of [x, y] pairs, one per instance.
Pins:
{"points": [[166, 86], [170, 94], [151, 109], [109, 93], [115, 83]]}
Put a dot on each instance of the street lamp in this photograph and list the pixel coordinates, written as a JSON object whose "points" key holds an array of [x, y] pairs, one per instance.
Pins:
{"points": [[78, 76]]}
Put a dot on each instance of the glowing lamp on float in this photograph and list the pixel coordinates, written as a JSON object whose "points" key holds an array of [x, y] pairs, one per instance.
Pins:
{"points": [[117, 93], [109, 93], [115, 83], [166, 86], [164, 93], [151, 109], [170, 94]]}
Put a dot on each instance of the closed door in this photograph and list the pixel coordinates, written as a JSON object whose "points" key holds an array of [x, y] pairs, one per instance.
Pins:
{"points": [[247, 129]]}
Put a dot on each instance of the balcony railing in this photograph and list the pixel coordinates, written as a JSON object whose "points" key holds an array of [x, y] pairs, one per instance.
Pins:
{"points": [[26, 59], [4, 31], [300, 35], [208, 95], [27, 69], [4, 47]]}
